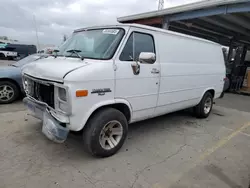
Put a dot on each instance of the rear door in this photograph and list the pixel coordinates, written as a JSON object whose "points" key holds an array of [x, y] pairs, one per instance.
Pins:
{"points": [[139, 87]]}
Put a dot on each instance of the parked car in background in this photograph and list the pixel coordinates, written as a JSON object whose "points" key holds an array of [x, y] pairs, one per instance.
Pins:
{"points": [[11, 81], [23, 50], [7, 55], [16, 51]]}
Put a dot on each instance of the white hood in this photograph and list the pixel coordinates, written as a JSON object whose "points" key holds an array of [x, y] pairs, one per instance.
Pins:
{"points": [[52, 68]]}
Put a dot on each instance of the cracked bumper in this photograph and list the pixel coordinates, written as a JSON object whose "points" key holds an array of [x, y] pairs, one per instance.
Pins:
{"points": [[51, 127]]}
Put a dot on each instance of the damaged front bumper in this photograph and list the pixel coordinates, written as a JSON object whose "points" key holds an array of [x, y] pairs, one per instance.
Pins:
{"points": [[51, 125]]}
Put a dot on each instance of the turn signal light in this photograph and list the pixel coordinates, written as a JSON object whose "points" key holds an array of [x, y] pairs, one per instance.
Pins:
{"points": [[82, 93]]}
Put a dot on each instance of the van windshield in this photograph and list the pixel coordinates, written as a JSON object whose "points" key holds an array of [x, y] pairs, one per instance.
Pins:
{"points": [[93, 44]]}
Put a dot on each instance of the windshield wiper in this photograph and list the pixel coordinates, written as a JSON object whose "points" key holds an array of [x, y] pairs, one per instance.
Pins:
{"points": [[76, 52]]}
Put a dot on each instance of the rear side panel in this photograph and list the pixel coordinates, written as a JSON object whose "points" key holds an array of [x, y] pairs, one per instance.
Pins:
{"points": [[189, 67]]}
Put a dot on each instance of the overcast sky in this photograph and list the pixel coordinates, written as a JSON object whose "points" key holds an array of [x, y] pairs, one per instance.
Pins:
{"points": [[57, 17]]}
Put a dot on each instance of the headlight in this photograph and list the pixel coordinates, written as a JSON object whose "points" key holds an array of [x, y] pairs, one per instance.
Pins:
{"points": [[27, 85], [62, 94], [64, 107], [63, 101], [25, 82]]}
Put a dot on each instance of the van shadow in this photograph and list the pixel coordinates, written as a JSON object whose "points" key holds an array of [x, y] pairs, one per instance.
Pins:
{"points": [[72, 149], [168, 121]]}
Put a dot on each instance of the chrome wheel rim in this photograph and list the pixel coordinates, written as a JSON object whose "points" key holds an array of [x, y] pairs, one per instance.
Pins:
{"points": [[6, 93], [111, 135], [208, 105]]}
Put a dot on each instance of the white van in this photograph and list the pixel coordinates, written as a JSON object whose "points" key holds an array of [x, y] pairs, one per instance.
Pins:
{"points": [[103, 78]]}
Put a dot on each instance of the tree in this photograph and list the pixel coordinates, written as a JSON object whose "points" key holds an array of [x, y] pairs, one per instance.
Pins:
{"points": [[3, 37]]}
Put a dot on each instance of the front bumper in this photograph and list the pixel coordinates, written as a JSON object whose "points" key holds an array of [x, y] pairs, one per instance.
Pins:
{"points": [[51, 126]]}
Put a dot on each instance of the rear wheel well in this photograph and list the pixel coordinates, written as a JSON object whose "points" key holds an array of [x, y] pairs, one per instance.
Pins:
{"points": [[212, 92]]}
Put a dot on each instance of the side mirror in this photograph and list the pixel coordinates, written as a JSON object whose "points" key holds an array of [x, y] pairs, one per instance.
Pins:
{"points": [[147, 57]]}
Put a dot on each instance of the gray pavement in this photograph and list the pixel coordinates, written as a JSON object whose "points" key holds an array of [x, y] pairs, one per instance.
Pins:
{"points": [[15, 107], [175, 150], [240, 102], [6, 62]]}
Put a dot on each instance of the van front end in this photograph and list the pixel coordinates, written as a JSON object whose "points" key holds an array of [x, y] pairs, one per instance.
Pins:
{"points": [[49, 102]]}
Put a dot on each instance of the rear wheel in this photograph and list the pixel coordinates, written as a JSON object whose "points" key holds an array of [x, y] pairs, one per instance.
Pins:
{"points": [[9, 92], [204, 108], [105, 132]]}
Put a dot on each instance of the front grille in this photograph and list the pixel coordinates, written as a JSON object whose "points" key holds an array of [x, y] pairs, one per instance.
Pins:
{"points": [[41, 92]]}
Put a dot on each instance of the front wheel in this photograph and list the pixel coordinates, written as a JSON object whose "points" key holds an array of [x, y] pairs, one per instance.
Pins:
{"points": [[105, 132], [204, 108]]}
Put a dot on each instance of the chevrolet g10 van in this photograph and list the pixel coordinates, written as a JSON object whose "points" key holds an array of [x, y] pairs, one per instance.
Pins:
{"points": [[104, 78]]}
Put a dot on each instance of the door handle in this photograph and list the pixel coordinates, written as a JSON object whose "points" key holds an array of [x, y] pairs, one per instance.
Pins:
{"points": [[155, 71]]}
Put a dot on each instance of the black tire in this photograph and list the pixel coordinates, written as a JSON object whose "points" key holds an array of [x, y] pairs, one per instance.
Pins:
{"points": [[199, 110], [229, 85], [14, 88], [94, 127], [10, 58], [2, 56]]}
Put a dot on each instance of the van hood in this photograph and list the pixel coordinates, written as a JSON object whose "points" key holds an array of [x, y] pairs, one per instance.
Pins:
{"points": [[54, 69]]}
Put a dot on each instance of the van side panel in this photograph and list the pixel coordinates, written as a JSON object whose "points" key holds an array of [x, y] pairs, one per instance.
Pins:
{"points": [[189, 68]]}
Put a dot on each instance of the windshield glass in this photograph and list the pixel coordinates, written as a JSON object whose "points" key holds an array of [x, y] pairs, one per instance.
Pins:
{"points": [[93, 44], [26, 60]]}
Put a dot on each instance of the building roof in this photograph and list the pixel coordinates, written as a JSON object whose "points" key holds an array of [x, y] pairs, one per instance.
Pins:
{"points": [[221, 21], [183, 8]]}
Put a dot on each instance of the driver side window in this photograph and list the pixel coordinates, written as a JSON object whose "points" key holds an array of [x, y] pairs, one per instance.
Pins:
{"points": [[137, 43]]}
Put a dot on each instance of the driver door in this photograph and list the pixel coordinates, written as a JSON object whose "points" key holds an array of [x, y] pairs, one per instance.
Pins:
{"points": [[138, 85]]}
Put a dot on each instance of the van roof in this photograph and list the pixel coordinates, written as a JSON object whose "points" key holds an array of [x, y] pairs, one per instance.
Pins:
{"points": [[147, 28]]}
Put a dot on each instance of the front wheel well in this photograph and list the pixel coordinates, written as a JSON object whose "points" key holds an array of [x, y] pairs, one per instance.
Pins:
{"points": [[123, 108]]}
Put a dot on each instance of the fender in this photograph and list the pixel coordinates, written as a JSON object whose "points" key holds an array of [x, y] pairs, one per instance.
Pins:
{"points": [[205, 90], [102, 104]]}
